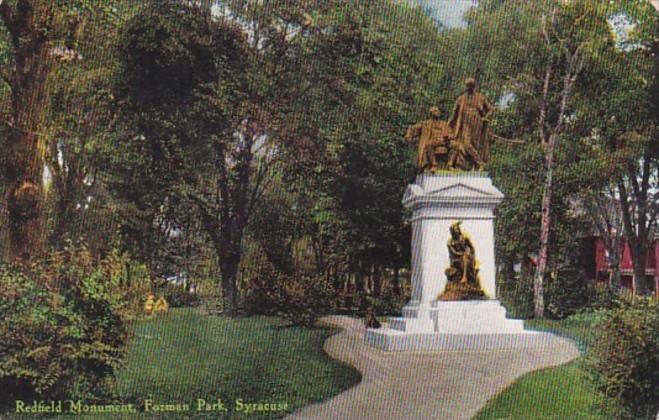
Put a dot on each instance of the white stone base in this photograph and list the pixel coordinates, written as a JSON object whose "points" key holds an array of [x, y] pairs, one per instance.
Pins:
{"points": [[468, 325]]}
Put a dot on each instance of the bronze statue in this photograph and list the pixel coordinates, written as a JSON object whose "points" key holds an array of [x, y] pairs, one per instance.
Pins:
{"points": [[470, 124], [371, 320], [462, 274], [434, 141]]}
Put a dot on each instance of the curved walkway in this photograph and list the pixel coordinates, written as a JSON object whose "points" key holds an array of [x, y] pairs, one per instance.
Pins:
{"points": [[441, 385]]}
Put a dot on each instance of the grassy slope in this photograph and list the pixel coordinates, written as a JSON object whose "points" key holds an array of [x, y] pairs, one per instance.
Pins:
{"points": [[562, 392], [189, 355]]}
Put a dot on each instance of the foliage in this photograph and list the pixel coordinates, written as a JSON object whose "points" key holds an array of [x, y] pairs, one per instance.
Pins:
{"points": [[62, 328], [604, 297], [130, 279], [304, 298], [301, 296], [567, 293], [516, 295], [262, 293], [624, 360], [389, 303], [177, 295]]}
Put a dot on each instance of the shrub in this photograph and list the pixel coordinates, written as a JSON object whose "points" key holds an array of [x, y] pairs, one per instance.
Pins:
{"points": [[301, 298], [131, 279], [604, 297], [304, 298], [517, 296], [178, 296], [624, 360], [62, 328], [389, 303], [262, 293], [566, 294]]}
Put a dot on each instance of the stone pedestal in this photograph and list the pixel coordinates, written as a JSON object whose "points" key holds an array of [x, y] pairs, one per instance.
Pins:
{"points": [[436, 202]]}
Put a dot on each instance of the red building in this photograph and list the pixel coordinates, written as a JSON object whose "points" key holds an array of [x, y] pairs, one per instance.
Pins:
{"points": [[597, 263]]}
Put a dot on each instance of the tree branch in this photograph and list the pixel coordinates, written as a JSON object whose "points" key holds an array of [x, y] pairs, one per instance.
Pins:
{"points": [[543, 102]]}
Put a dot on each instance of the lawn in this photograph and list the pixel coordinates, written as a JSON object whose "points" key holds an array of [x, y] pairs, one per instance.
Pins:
{"points": [[188, 356], [562, 392]]}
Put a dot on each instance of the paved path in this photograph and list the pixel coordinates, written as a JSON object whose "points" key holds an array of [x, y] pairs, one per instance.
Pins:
{"points": [[441, 385]]}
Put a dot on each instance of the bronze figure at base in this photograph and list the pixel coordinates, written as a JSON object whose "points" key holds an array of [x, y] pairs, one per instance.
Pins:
{"points": [[371, 321], [463, 282]]}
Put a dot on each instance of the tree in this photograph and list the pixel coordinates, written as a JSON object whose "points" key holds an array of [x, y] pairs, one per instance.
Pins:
{"points": [[31, 30], [42, 34], [640, 206], [182, 87], [625, 115], [541, 57], [351, 87]]}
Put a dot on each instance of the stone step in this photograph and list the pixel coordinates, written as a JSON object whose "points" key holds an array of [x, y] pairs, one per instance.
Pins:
{"points": [[479, 326], [392, 340], [411, 325]]}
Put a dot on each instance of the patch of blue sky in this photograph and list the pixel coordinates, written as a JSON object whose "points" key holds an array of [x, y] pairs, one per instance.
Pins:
{"points": [[450, 13]]}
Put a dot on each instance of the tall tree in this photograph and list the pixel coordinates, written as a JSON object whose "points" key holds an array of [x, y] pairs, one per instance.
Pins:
{"points": [[622, 101], [32, 30], [541, 57], [640, 206], [42, 35], [182, 86]]}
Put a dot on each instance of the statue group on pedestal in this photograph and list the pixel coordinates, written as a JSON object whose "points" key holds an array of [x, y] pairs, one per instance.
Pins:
{"points": [[461, 143]]}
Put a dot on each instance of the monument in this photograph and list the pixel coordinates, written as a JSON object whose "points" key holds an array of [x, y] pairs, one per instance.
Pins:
{"points": [[454, 302]]}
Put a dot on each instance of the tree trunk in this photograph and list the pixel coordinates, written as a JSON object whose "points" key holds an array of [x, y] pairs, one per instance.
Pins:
{"points": [[23, 162], [24, 173], [229, 266], [377, 281], [396, 281], [614, 271], [545, 223], [639, 257], [636, 233]]}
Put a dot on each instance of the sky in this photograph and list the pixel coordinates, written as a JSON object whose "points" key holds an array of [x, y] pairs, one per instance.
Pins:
{"points": [[449, 12]]}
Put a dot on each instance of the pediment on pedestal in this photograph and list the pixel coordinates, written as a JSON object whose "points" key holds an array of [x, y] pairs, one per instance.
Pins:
{"points": [[461, 190], [412, 192]]}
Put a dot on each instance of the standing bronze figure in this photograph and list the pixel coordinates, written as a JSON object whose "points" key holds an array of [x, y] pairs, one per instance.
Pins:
{"points": [[470, 124]]}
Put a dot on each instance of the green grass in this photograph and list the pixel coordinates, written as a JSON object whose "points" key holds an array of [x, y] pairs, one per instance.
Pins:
{"points": [[581, 330], [562, 392], [188, 355], [556, 393]]}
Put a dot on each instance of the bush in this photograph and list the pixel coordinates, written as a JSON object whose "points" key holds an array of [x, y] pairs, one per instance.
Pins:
{"points": [[299, 297], [624, 360], [178, 296], [389, 303], [62, 328], [566, 294], [304, 298], [131, 279], [603, 297], [262, 293], [517, 296]]}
